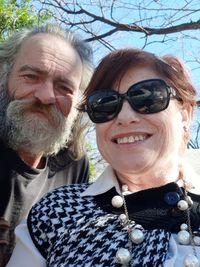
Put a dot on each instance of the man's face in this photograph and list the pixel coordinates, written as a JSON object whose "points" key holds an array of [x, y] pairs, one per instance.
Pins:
{"points": [[43, 88]]}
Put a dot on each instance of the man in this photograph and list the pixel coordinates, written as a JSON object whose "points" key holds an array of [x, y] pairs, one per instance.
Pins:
{"points": [[42, 74]]}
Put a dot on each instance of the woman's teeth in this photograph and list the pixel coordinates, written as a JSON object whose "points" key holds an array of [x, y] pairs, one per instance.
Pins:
{"points": [[131, 139]]}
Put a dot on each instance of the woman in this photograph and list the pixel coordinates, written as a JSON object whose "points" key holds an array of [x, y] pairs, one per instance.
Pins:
{"points": [[144, 209]]}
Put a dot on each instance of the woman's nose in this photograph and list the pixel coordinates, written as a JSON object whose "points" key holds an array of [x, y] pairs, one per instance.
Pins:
{"points": [[45, 93], [127, 115]]}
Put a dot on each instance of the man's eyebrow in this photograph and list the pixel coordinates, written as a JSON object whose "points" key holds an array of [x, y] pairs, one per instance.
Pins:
{"points": [[38, 70], [31, 68]]}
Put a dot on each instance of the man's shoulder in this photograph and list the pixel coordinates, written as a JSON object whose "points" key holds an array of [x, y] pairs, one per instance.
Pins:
{"points": [[64, 160]]}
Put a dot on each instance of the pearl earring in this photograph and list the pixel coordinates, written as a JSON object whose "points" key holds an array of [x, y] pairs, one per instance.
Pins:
{"points": [[185, 129]]}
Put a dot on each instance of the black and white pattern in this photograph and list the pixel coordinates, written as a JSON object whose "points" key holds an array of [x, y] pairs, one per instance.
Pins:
{"points": [[73, 231]]}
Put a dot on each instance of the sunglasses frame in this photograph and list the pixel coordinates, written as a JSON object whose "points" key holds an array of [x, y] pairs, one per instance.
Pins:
{"points": [[171, 93]]}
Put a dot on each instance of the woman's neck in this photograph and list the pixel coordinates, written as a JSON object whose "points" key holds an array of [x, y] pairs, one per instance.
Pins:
{"points": [[150, 179]]}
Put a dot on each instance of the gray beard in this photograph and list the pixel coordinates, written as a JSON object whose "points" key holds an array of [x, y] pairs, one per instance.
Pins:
{"points": [[23, 129]]}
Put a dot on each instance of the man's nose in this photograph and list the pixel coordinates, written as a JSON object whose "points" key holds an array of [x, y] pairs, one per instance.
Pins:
{"points": [[45, 93]]}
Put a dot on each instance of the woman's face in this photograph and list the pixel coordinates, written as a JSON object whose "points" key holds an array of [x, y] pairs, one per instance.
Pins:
{"points": [[136, 143]]}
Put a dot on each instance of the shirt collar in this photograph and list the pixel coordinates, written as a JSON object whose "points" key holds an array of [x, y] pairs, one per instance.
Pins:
{"points": [[105, 182]]}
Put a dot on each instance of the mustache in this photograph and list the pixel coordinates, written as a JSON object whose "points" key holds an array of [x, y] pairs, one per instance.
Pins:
{"points": [[51, 113]]}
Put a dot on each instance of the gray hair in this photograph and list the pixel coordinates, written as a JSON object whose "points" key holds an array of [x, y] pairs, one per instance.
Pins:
{"points": [[8, 53]]}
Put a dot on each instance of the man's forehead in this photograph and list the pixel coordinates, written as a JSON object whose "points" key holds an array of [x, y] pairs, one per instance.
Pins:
{"points": [[47, 47]]}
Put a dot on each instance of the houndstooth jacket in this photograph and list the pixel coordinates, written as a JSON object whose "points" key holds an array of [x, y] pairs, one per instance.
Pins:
{"points": [[71, 227]]}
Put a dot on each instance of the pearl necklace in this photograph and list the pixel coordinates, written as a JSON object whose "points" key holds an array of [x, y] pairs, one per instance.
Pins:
{"points": [[136, 235]]}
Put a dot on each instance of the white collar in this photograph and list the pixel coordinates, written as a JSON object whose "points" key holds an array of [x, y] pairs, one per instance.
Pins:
{"points": [[104, 182]]}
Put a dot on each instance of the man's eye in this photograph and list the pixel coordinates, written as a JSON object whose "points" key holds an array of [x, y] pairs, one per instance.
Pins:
{"points": [[65, 89], [31, 77]]}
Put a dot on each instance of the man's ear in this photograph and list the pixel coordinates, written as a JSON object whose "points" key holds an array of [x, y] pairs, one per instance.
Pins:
{"points": [[186, 115]]}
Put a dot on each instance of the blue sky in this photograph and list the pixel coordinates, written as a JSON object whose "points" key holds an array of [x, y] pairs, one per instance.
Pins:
{"points": [[177, 43]]}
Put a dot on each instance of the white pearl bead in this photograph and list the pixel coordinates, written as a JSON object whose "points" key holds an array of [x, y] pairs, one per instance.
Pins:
{"points": [[122, 217], [117, 201], [189, 200], [124, 188], [137, 236], [184, 226], [183, 237], [182, 205], [123, 256], [196, 240], [191, 261]]}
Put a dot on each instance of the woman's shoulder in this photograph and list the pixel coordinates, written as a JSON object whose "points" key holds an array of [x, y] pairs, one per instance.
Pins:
{"points": [[56, 210], [192, 156], [62, 196], [62, 203]]}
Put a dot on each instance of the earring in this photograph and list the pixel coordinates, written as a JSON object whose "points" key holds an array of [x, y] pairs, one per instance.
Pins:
{"points": [[185, 129]]}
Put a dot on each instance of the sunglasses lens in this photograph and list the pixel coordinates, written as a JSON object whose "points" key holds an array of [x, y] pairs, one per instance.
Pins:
{"points": [[149, 96], [102, 106]]}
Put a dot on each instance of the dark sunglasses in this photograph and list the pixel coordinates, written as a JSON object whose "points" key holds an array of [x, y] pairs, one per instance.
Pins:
{"points": [[145, 97]]}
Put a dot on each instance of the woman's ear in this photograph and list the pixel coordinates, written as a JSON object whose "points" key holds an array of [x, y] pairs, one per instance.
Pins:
{"points": [[186, 112]]}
